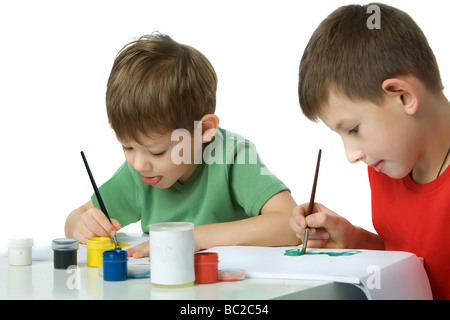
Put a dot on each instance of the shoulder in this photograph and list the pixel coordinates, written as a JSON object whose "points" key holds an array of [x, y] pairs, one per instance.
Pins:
{"points": [[239, 147], [231, 138], [230, 148]]}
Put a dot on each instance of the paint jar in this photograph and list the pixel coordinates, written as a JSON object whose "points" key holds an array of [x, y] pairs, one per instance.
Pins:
{"points": [[206, 267], [231, 275], [115, 265], [64, 252], [172, 253], [19, 250], [95, 248]]}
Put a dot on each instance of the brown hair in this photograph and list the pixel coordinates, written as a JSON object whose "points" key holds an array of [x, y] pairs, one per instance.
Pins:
{"points": [[158, 85], [345, 55]]}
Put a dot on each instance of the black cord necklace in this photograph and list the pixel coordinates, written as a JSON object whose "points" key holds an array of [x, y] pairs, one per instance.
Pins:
{"points": [[442, 165]]}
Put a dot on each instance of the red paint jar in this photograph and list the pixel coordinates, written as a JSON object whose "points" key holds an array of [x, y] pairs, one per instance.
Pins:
{"points": [[206, 267]]}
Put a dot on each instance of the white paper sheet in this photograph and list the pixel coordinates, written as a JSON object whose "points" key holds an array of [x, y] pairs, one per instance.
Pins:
{"points": [[380, 274]]}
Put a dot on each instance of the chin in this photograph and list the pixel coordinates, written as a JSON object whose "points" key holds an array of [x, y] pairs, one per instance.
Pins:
{"points": [[163, 186], [397, 175]]}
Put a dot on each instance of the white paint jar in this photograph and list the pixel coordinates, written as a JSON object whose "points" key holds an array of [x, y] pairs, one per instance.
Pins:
{"points": [[172, 253], [19, 250]]}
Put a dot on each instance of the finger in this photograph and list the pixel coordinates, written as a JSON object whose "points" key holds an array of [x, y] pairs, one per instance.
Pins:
{"points": [[80, 237], [315, 234], [317, 238], [322, 220], [318, 234], [130, 252], [298, 216], [301, 212], [139, 251], [101, 225], [295, 226], [301, 232], [83, 234], [116, 224], [139, 254], [316, 243], [88, 225]]}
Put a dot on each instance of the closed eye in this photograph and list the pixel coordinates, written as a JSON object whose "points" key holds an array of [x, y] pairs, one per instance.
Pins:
{"points": [[160, 154], [353, 130]]}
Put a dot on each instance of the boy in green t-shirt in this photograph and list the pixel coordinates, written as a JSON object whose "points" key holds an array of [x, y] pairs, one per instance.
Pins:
{"points": [[181, 166]]}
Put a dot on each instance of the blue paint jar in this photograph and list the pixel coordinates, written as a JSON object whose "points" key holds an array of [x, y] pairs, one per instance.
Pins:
{"points": [[115, 265]]}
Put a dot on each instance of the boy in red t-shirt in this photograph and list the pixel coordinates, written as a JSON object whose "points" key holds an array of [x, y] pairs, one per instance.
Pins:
{"points": [[377, 84]]}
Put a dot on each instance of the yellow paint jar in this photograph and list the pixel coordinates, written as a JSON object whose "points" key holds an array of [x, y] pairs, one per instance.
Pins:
{"points": [[95, 248]]}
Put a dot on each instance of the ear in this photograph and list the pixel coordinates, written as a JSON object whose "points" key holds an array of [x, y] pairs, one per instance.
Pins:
{"points": [[405, 90], [210, 123]]}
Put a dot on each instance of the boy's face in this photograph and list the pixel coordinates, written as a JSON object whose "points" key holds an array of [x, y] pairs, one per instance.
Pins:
{"points": [[152, 158], [382, 136]]}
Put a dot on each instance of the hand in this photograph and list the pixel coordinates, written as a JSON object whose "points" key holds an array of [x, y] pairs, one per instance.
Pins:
{"points": [[140, 251], [143, 250], [327, 229], [93, 223]]}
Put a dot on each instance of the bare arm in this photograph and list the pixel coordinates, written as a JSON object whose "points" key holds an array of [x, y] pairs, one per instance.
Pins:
{"points": [[270, 228]]}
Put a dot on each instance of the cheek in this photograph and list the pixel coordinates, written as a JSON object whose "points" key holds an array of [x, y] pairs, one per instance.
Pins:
{"points": [[381, 148], [165, 166], [129, 157], [400, 144], [398, 149], [382, 141]]}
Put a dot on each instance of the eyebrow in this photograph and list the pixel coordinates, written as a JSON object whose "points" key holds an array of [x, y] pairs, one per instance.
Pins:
{"points": [[340, 125]]}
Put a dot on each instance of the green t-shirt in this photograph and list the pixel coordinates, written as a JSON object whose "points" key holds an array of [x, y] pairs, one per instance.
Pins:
{"points": [[230, 184]]}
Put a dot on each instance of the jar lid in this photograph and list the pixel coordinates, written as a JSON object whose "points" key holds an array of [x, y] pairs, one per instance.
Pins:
{"points": [[65, 244], [20, 241], [206, 257], [170, 226], [99, 243], [115, 255]]}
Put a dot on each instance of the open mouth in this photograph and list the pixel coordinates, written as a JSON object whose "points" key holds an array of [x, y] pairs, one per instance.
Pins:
{"points": [[151, 180], [378, 166]]}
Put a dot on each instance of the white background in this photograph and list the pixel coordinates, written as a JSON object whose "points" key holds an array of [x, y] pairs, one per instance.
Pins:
{"points": [[55, 59]]}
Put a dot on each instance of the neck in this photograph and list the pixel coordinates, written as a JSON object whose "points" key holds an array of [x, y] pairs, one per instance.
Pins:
{"points": [[435, 125]]}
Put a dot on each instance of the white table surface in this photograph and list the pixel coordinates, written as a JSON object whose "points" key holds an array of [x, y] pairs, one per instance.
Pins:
{"points": [[41, 281]]}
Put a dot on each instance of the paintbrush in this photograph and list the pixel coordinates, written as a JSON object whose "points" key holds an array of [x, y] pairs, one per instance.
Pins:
{"points": [[311, 202], [97, 194]]}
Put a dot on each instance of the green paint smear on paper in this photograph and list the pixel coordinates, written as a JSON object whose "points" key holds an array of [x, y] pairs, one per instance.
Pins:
{"points": [[299, 252]]}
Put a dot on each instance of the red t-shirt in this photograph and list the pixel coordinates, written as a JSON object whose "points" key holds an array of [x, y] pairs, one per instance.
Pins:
{"points": [[415, 218]]}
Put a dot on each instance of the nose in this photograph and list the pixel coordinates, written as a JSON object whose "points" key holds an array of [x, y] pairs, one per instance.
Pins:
{"points": [[353, 154]]}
